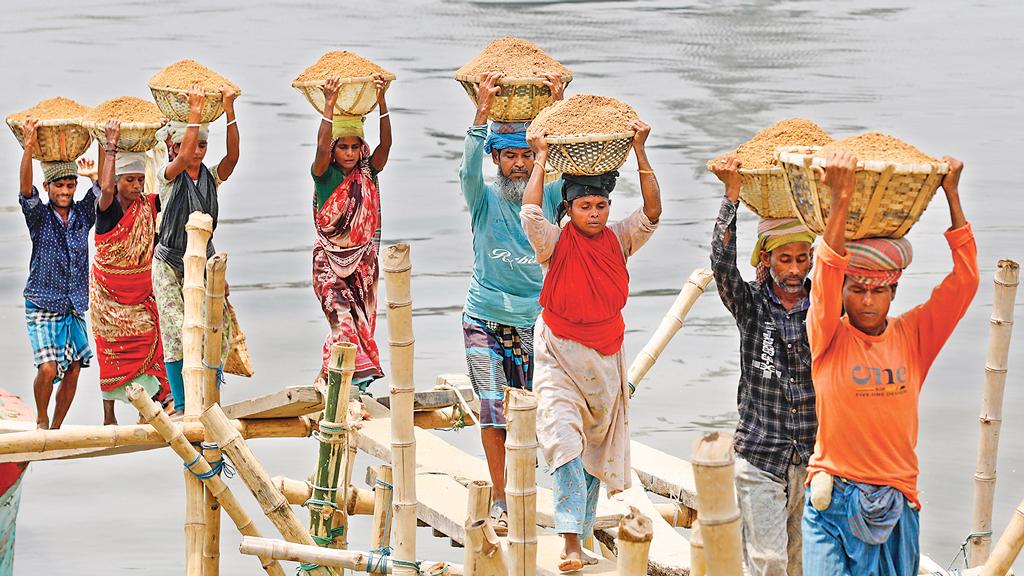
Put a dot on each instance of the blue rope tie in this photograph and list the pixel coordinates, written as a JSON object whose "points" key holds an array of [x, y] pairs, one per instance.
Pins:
{"points": [[215, 469], [381, 564]]}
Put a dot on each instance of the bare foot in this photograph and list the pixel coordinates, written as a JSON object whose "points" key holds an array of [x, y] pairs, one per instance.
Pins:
{"points": [[588, 560], [43, 423]]}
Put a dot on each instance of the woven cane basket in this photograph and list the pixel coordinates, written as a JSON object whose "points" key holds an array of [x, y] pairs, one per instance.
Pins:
{"points": [[765, 192], [134, 137], [238, 361], [589, 154], [887, 201], [63, 139], [173, 102], [518, 100], [356, 96]]}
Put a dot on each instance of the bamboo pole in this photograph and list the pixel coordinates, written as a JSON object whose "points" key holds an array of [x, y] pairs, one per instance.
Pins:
{"points": [[359, 500], [483, 554], [271, 501], [397, 271], [328, 521], [383, 492], [142, 435], [479, 500], [717, 511], [1008, 547], [633, 543], [1007, 278], [212, 344], [521, 480], [351, 559], [670, 324], [698, 567], [198, 230], [175, 437]]}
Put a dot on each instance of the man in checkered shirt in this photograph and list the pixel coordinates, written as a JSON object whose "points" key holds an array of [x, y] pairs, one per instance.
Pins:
{"points": [[776, 432]]}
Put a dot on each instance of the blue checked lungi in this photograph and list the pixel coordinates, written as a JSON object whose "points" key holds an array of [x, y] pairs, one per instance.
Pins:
{"points": [[59, 337], [497, 356]]}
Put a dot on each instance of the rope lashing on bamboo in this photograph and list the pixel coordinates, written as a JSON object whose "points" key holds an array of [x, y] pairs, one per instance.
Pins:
{"points": [[963, 548], [216, 467], [329, 432], [220, 372], [464, 408]]}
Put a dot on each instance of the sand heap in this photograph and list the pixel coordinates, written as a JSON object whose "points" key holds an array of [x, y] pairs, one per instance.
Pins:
{"points": [[585, 114], [53, 109], [183, 74], [341, 64], [126, 109], [878, 146], [515, 58], [759, 151]]}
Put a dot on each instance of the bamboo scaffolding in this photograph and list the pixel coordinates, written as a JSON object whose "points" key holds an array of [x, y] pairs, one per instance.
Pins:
{"points": [[79, 437], [521, 481], [1008, 547], [1007, 277], [670, 324], [383, 493], [175, 437], [633, 543], [350, 559], [397, 271], [212, 345], [198, 230], [327, 521], [698, 567], [359, 500], [717, 511], [271, 501], [479, 500], [483, 554]]}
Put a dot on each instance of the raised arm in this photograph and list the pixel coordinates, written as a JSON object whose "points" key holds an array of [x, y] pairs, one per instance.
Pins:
{"points": [[471, 175], [227, 164], [535, 186], [649, 188], [323, 136], [29, 132], [379, 159], [108, 185], [732, 289], [196, 96], [557, 86], [826, 309]]}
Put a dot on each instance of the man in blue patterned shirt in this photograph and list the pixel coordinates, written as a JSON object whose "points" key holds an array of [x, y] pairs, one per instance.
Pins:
{"points": [[57, 290], [776, 431]]}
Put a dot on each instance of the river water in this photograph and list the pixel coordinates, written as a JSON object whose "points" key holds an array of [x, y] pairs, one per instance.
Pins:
{"points": [[706, 75]]}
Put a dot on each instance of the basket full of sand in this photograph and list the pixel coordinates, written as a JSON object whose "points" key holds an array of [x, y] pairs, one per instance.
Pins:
{"points": [[586, 134], [59, 131], [895, 182], [358, 93], [763, 185], [170, 90], [140, 119], [524, 65]]}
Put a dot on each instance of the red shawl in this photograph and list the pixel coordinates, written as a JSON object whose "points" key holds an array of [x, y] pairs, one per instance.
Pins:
{"points": [[585, 290], [127, 336]]}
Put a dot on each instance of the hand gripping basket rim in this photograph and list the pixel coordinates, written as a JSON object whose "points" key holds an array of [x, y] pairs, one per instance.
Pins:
{"points": [[388, 77], [797, 154], [475, 79], [207, 93]]}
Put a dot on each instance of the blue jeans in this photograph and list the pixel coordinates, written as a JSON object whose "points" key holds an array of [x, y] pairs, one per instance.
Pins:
{"points": [[830, 547], [575, 498]]}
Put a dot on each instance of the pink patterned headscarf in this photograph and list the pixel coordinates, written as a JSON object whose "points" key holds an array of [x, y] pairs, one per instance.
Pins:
{"points": [[878, 261]]}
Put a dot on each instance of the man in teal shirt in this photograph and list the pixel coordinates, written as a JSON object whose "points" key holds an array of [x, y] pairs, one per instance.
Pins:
{"points": [[501, 306]]}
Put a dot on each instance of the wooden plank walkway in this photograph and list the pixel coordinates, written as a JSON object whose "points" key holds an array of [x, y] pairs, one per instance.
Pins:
{"points": [[664, 474]]}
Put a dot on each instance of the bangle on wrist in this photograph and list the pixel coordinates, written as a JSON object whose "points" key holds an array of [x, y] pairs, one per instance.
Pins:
{"points": [[326, 119], [230, 123], [538, 163], [385, 115], [646, 171]]}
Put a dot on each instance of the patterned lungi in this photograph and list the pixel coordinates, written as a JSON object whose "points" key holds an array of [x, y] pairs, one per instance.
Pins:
{"points": [[497, 356], [59, 337]]}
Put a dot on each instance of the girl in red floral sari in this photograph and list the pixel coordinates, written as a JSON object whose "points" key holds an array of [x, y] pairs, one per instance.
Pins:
{"points": [[346, 217], [124, 315]]}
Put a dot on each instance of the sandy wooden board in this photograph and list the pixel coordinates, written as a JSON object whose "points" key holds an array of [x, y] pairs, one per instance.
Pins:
{"points": [[289, 402], [664, 474]]}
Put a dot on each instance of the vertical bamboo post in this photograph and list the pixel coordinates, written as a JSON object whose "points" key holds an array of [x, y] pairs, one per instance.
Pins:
{"points": [[212, 345], [717, 511], [483, 554], [479, 500], [271, 501], [198, 230], [521, 481], [175, 437], [1008, 547], [397, 271], [1007, 278], [327, 521], [698, 567], [380, 531], [633, 543]]}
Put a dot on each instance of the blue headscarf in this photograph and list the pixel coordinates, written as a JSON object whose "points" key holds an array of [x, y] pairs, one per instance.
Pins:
{"points": [[506, 135]]}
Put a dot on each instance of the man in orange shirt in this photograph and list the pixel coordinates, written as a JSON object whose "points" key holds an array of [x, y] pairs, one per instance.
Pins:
{"points": [[868, 369]]}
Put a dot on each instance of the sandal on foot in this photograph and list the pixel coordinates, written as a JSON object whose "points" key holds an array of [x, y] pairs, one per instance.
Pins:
{"points": [[499, 517], [570, 566]]}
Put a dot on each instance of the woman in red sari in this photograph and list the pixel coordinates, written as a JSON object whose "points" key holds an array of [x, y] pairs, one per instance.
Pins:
{"points": [[346, 218], [125, 322]]}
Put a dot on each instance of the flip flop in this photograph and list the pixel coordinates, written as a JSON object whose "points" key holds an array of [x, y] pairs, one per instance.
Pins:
{"points": [[499, 517], [570, 566], [588, 560]]}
